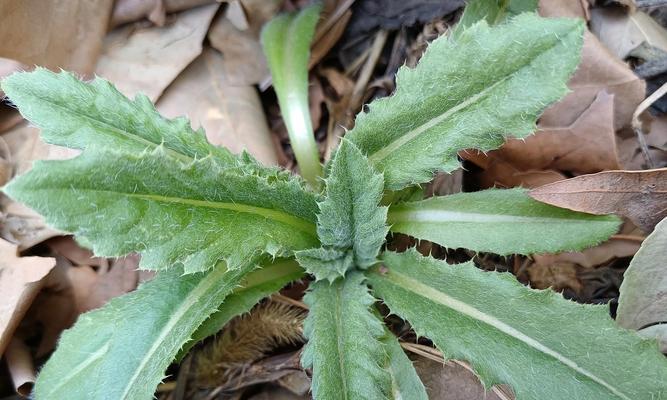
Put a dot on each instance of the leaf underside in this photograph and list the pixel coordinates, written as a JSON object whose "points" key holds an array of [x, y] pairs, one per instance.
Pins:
{"points": [[344, 346], [120, 351], [472, 92], [500, 221], [542, 345]]}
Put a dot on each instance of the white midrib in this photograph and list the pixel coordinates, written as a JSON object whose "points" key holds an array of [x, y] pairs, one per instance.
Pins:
{"points": [[432, 294], [390, 147], [99, 353], [426, 215], [186, 305]]}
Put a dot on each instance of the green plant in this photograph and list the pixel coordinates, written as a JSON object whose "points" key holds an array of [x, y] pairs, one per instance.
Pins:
{"points": [[224, 232]]}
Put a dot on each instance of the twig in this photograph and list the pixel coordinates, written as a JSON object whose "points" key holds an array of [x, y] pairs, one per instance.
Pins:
{"points": [[650, 3], [637, 125]]}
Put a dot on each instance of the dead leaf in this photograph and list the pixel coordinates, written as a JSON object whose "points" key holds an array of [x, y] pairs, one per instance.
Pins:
{"points": [[450, 381], [640, 196], [67, 247], [558, 276], [147, 60], [587, 145], [565, 8], [156, 11], [621, 32], [20, 280], [630, 154], [616, 247], [232, 116], [122, 277], [20, 366], [54, 34]]}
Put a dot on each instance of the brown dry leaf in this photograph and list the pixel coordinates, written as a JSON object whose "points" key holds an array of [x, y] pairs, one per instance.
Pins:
{"points": [[564, 8], [147, 60], [450, 381], [585, 146], [54, 34], [232, 116], [616, 247], [122, 277], [630, 154], [640, 196], [21, 367], [558, 276], [156, 11], [621, 32], [20, 280], [67, 247]]}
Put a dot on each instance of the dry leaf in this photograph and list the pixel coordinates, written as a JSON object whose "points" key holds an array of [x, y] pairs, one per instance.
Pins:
{"points": [[54, 34], [20, 366], [122, 277], [621, 32], [557, 276], [20, 280], [450, 381], [616, 247], [125, 11], [147, 60], [587, 145], [630, 154], [564, 8], [232, 116], [640, 196]]}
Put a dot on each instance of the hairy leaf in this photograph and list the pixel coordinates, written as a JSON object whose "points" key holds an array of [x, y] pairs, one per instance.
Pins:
{"points": [[468, 93], [192, 215], [500, 221], [121, 351], [344, 346], [257, 285], [78, 115], [643, 299], [542, 345], [286, 42], [405, 383], [349, 219], [493, 11]]}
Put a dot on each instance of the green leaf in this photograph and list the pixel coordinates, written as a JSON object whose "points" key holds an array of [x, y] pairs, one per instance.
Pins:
{"points": [[255, 286], [405, 383], [472, 92], [643, 300], [192, 215], [344, 345], [286, 42], [122, 350], [349, 219], [78, 115], [500, 221], [492, 11], [542, 345]]}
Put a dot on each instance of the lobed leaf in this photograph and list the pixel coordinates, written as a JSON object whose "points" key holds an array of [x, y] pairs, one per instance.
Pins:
{"points": [[472, 92], [500, 221], [344, 346], [192, 215], [492, 11], [542, 345], [350, 219], [122, 350]]}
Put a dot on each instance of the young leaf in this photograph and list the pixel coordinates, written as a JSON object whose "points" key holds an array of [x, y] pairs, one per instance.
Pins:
{"points": [[78, 115], [120, 352], [286, 42], [405, 383], [255, 286], [192, 215], [344, 345], [468, 93], [643, 299], [349, 218], [542, 345], [493, 11], [500, 221]]}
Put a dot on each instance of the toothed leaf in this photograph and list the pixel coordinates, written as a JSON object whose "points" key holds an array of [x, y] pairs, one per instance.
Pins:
{"points": [[192, 214], [542, 345], [500, 221], [472, 92], [405, 383], [326, 263], [121, 351], [493, 11], [344, 347]]}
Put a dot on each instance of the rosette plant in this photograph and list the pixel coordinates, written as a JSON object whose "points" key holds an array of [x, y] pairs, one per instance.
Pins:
{"points": [[223, 231]]}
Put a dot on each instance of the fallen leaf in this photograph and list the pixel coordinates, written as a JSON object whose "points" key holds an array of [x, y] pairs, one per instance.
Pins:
{"points": [[587, 145], [121, 278], [616, 247], [67, 247], [643, 294], [640, 196], [630, 154], [450, 381], [147, 60], [564, 8], [558, 276], [621, 32], [156, 11], [20, 281], [232, 116], [20, 366], [54, 34]]}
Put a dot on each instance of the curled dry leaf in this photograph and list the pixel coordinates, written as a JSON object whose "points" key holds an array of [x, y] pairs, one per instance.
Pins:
{"points": [[125, 11], [643, 300], [147, 60], [640, 196], [20, 280], [621, 32]]}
